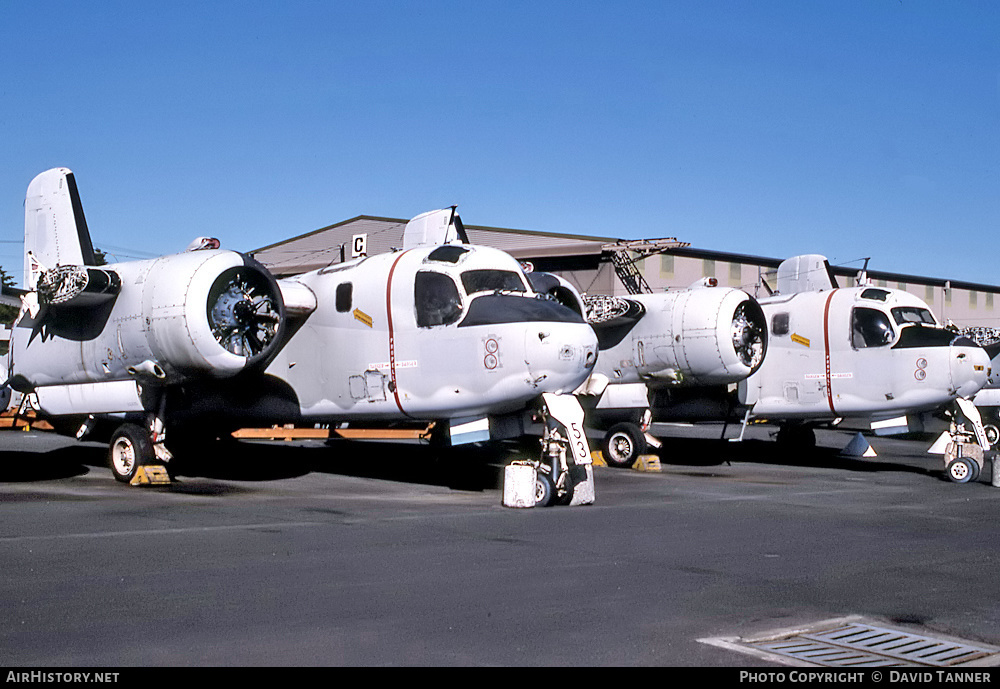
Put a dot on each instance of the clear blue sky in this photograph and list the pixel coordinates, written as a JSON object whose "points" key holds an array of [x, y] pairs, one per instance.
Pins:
{"points": [[847, 128]]}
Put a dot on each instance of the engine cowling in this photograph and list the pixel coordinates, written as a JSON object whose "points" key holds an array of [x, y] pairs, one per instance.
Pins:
{"points": [[699, 336], [212, 312], [199, 314]]}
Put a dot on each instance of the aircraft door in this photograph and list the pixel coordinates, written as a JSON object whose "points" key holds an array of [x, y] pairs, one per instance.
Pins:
{"points": [[423, 346], [861, 375]]}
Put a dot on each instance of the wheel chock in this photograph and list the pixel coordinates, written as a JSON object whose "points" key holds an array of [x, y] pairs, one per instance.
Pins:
{"points": [[647, 463], [153, 474], [643, 463], [859, 447]]}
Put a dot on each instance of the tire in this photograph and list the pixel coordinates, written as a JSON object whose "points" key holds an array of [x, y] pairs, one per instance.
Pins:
{"points": [[960, 470], [130, 449], [992, 434], [622, 445], [975, 468], [545, 491]]}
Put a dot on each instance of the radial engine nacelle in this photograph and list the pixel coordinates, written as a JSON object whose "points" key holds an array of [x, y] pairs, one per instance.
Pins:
{"points": [[208, 313], [698, 336]]}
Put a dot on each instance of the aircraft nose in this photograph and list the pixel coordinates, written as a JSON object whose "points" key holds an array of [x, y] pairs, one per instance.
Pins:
{"points": [[970, 366], [560, 356]]}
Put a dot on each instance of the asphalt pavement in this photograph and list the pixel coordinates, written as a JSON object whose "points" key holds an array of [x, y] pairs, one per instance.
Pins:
{"points": [[370, 554]]}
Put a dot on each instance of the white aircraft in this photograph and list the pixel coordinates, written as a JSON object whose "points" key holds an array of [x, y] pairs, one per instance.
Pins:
{"points": [[206, 341], [832, 353], [691, 339]]}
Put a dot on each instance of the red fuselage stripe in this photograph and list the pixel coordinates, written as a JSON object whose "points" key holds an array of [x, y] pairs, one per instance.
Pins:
{"points": [[826, 350], [392, 341]]}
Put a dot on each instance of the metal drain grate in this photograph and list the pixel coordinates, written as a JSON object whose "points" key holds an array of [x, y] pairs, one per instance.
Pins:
{"points": [[848, 643]]}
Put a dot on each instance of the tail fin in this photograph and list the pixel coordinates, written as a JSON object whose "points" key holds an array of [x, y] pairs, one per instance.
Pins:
{"points": [[55, 229]]}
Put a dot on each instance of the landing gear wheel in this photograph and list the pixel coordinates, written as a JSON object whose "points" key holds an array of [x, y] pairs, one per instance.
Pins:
{"points": [[975, 469], [960, 469], [130, 449], [622, 445], [567, 496], [992, 434], [545, 491]]}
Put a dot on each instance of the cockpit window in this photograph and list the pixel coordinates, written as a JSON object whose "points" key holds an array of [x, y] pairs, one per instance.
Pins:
{"points": [[492, 281], [912, 314], [875, 294], [870, 328], [438, 301]]}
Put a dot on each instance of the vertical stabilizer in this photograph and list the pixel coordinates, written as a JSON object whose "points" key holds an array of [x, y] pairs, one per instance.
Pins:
{"points": [[55, 229]]}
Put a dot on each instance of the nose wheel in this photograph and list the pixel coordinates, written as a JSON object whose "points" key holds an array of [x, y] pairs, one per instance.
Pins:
{"points": [[962, 470]]}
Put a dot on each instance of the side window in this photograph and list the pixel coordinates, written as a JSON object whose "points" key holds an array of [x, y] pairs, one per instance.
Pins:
{"points": [[438, 301], [779, 324], [345, 297], [870, 328]]}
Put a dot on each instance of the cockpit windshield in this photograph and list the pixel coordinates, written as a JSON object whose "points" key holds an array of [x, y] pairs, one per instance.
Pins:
{"points": [[924, 336], [487, 280], [912, 314], [490, 309], [870, 328]]}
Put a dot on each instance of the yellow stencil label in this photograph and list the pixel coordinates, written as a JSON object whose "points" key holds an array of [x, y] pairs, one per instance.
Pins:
{"points": [[798, 339], [363, 317]]}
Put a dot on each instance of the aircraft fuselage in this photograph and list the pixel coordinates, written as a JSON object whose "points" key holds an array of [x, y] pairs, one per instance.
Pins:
{"points": [[430, 332], [860, 351]]}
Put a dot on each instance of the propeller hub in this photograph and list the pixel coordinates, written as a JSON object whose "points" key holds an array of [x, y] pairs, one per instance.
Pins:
{"points": [[244, 312], [749, 334]]}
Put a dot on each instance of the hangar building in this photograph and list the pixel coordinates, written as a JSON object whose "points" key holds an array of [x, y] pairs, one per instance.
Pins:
{"points": [[587, 261]]}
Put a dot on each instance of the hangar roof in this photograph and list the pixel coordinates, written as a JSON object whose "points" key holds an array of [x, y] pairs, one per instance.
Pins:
{"points": [[332, 244], [322, 247]]}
